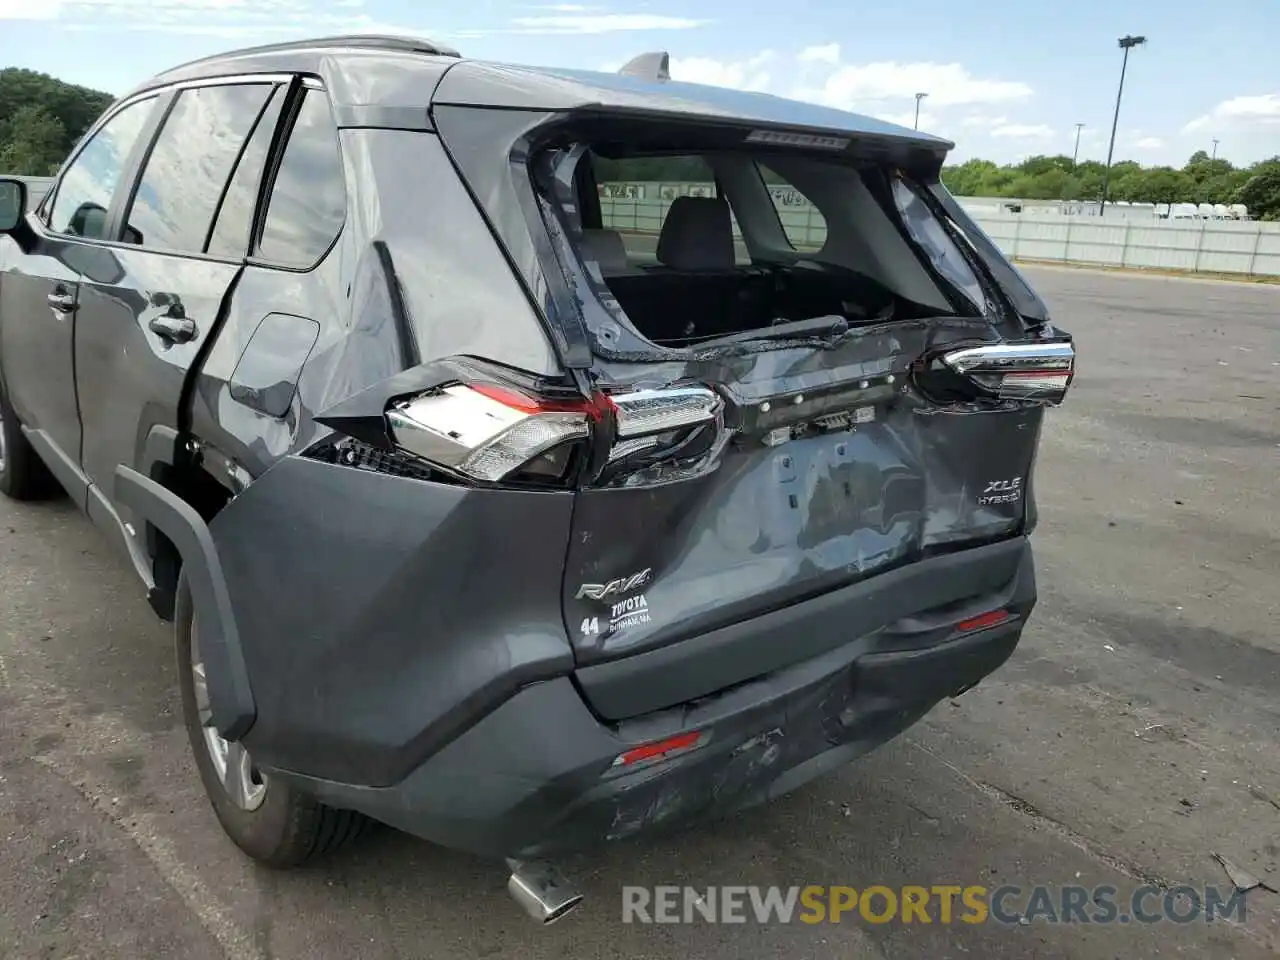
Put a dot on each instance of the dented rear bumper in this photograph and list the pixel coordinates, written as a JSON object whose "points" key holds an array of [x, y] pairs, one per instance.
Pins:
{"points": [[539, 777]]}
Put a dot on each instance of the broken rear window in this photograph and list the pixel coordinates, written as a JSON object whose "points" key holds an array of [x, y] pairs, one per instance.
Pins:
{"points": [[692, 246]]}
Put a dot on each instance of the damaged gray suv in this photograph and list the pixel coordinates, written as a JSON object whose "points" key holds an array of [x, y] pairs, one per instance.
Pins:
{"points": [[494, 502]]}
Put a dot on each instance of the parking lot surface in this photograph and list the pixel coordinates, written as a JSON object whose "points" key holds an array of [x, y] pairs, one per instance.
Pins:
{"points": [[1135, 734]]}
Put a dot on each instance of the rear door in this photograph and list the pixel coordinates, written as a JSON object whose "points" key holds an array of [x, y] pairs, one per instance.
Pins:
{"points": [[39, 290], [142, 328]]}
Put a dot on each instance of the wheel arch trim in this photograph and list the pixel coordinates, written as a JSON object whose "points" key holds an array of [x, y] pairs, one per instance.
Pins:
{"points": [[230, 693]]}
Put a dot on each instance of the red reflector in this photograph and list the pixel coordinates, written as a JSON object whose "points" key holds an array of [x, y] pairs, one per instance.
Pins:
{"points": [[983, 620], [659, 748]]}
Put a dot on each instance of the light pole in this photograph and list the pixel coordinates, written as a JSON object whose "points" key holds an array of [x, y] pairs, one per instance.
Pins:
{"points": [[1127, 43], [1215, 149], [919, 97], [1075, 156]]}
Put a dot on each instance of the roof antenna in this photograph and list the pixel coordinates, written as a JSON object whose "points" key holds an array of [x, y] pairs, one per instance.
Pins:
{"points": [[649, 66]]}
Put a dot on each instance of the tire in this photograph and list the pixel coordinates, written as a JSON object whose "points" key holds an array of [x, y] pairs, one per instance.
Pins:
{"points": [[23, 475], [280, 827]]}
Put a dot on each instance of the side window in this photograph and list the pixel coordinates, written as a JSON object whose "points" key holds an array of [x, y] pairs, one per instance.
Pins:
{"points": [[804, 225], [308, 202], [190, 163], [230, 236], [84, 193]]}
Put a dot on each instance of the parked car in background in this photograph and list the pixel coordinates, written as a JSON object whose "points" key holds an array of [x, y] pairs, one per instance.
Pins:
{"points": [[474, 515]]}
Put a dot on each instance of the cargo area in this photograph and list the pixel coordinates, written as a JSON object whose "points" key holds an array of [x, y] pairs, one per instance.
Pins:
{"points": [[726, 264]]}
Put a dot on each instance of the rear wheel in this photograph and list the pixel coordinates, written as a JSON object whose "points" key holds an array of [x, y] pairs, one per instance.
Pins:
{"points": [[266, 818], [23, 475]]}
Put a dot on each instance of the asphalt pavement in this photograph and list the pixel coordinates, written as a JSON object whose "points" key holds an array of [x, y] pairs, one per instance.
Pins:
{"points": [[1134, 735]]}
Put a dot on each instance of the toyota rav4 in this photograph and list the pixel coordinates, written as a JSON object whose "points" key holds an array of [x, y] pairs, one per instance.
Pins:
{"points": [[499, 491]]}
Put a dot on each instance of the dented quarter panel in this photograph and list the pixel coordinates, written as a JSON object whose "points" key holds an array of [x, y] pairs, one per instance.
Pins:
{"points": [[398, 645], [458, 294]]}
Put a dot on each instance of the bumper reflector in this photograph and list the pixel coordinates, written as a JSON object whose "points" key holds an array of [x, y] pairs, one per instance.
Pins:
{"points": [[660, 749], [982, 621]]}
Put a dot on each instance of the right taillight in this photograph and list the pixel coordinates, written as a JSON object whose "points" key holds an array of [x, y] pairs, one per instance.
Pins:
{"points": [[1039, 371]]}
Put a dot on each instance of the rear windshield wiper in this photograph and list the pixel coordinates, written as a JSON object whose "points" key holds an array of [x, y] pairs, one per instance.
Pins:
{"points": [[828, 327]]}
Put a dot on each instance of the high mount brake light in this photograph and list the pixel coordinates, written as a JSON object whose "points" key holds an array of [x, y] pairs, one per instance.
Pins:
{"points": [[1016, 371], [485, 431]]}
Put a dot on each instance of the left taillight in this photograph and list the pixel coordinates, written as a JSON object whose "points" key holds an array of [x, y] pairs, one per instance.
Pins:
{"points": [[498, 433], [489, 432], [481, 424]]}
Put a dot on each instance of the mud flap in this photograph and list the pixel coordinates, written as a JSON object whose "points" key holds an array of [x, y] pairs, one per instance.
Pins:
{"points": [[230, 695]]}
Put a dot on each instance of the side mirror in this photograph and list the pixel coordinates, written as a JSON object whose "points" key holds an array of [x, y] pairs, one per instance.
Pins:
{"points": [[13, 204]]}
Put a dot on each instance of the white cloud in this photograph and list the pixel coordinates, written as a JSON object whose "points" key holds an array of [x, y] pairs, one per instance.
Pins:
{"points": [[947, 84], [983, 120], [887, 89], [1148, 143], [827, 53], [212, 18], [591, 23], [1263, 108], [749, 74], [28, 10], [1023, 131]]}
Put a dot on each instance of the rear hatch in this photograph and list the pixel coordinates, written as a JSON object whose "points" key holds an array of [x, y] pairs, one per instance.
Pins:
{"points": [[777, 415]]}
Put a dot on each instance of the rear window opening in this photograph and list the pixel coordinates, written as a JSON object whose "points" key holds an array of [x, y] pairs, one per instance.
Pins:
{"points": [[688, 246]]}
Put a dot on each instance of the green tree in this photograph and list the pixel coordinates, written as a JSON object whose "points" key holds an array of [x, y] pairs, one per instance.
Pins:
{"points": [[1261, 193], [41, 119], [32, 143], [1202, 180]]}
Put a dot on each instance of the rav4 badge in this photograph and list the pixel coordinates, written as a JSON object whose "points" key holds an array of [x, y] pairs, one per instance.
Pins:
{"points": [[601, 591]]}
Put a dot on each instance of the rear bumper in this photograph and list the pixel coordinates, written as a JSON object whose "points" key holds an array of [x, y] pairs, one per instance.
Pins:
{"points": [[536, 777]]}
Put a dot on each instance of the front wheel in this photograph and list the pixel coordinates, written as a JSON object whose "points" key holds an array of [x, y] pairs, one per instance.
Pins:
{"points": [[266, 818]]}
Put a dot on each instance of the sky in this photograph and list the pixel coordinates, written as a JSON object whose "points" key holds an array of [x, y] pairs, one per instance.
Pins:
{"points": [[1005, 79]]}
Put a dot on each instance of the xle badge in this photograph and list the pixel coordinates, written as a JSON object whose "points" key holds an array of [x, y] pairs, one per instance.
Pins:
{"points": [[1001, 491]]}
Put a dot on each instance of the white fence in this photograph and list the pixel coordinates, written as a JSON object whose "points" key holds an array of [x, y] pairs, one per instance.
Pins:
{"points": [[1209, 246]]}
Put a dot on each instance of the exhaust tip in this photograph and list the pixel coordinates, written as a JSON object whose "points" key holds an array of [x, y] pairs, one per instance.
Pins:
{"points": [[543, 893]]}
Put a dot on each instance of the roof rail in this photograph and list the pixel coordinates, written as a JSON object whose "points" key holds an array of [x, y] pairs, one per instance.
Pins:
{"points": [[364, 41], [649, 66]]}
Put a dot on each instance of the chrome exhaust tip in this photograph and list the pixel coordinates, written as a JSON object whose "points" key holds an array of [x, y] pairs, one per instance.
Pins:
{"points": [[542, 891]]}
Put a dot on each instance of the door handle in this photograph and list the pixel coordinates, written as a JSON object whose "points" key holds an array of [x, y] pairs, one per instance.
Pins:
{"points": [[173, 329], [62, 302]]}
